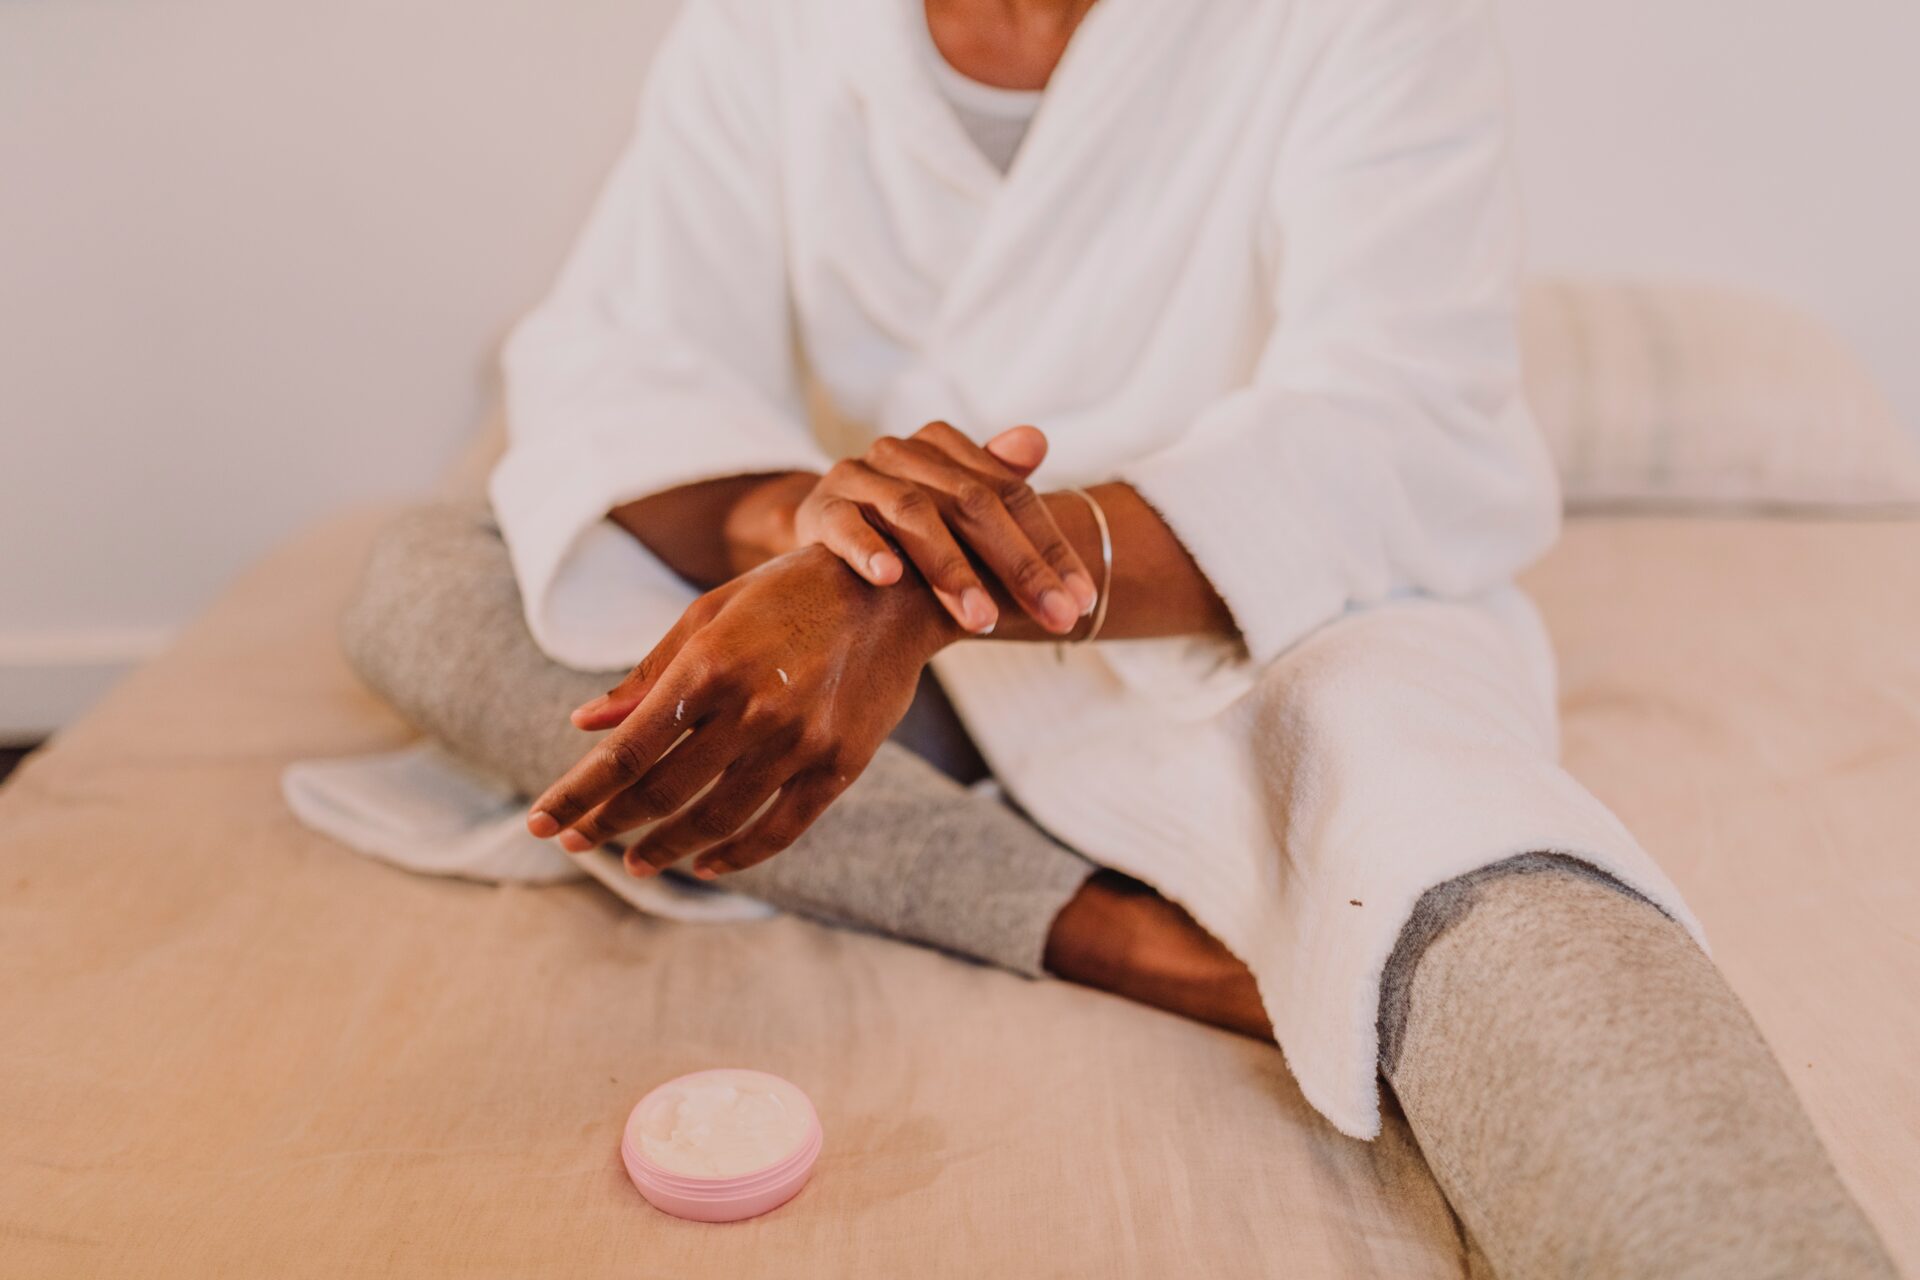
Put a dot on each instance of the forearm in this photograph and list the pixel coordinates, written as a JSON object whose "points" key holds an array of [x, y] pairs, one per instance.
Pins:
{"points": [[1158, 589], [715, 530]]}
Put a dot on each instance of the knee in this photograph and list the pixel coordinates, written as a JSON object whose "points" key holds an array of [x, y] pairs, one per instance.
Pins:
{"points": [[421, 564]]}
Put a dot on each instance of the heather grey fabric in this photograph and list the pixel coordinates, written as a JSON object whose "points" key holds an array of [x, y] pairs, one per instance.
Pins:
{"points": [[1594, 1100], [436, 628]]}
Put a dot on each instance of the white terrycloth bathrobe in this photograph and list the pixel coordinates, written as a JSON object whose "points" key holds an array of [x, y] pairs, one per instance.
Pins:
{"points": [[1256, 258]]}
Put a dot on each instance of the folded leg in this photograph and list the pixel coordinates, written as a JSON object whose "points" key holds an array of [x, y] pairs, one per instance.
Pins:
{"points": [[437, 629]]}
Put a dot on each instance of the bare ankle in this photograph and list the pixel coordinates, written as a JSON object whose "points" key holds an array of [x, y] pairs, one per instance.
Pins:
{"points": [[1119, 936]]}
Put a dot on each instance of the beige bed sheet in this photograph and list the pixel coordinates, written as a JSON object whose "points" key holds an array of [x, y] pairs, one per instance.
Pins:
{"points": [[230, 1047]]}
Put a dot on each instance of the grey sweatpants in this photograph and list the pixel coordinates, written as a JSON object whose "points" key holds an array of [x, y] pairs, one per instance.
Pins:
{"points": [[1591, 1097]]}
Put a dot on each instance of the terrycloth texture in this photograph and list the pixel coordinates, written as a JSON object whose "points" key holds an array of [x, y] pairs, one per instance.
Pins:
{"points": [[436, 627], [797, 183], [1596, 1104], [1392, 751], [231, 1048], [1276, 294]]}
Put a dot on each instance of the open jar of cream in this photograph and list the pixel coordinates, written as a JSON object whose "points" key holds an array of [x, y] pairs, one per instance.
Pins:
{"points": [[721, 1145]]}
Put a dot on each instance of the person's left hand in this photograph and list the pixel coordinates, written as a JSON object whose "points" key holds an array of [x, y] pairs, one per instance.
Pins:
{"points": [[786, 679], [938, 496]]}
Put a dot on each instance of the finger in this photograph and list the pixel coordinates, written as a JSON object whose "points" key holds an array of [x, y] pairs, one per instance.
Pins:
{"points": [[1034, 518], [1021, 448], [800, 803], [740, 793], [677, 778], [975, 506], [1027, 444], [914, 520], [613, 706], [845, 531], [906, 511], [675, 704], [959, 446]]}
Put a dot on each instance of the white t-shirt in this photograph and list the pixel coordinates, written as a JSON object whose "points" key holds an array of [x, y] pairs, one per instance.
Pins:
{"points": [[995, 118]]}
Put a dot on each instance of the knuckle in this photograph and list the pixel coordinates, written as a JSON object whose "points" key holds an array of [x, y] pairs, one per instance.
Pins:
{"points": [[952, 572], [774, 838], [976, 501], [841, 512], [624, 759], [710, 824], [887, 448], [700, 672], [1017, 494], [655, 798], [723, 686], [910, 502], [1031, 575], [762, 719], [815, 743]]}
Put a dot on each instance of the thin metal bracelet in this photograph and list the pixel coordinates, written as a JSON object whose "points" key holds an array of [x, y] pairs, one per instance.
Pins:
{"points": [[1106, 574]]}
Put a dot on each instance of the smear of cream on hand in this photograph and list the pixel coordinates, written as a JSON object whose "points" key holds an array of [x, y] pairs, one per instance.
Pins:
{"points": [[679, 710], [782, 672]]}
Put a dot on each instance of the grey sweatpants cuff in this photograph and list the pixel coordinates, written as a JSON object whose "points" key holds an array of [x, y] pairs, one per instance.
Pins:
{"points": [[908, 853]]}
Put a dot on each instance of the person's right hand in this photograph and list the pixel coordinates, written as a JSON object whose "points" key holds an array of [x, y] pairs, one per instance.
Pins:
{"points": [[937, 495], [783, 681]]}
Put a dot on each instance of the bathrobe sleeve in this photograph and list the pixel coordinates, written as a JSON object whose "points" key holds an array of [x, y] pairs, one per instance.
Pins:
{"points": [[1383, 447], [664, 355]]}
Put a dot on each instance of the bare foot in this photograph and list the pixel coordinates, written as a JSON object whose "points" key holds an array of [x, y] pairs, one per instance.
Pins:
{"points": [[1117, 935]]}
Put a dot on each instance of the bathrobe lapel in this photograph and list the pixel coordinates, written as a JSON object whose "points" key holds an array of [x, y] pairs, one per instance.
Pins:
{"points": [[1012, 264]]}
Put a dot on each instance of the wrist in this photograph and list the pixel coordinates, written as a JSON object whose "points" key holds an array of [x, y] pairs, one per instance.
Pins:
{"points": [[906, 612], [760, 525], [916, 615]]}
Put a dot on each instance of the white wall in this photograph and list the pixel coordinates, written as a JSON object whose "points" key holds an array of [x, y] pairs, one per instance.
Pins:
{"points": [[255, 255], [1774, 143]]}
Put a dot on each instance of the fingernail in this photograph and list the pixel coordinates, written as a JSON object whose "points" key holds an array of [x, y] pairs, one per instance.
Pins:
{"points": [[639, 868], [883, 565], [574, 842], [706, 871], [592, 705], [542, 825], [977, 612], [1059, 612], [1082, 588]]}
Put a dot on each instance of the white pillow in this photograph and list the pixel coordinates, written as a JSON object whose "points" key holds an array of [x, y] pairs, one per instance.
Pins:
{"points": [[1673, 395]]}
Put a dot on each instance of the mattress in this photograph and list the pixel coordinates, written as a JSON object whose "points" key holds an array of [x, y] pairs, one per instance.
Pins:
{"points": [[228, 1046]]}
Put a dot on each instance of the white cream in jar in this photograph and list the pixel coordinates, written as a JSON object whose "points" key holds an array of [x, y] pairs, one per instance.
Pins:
{"points": [[721, 1124]]}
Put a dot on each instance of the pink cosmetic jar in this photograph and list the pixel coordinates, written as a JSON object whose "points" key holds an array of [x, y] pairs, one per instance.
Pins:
{"points": [[721, 1145]]}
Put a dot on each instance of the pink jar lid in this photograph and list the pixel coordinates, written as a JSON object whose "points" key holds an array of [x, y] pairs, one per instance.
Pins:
{"points": [[721, 1145]]}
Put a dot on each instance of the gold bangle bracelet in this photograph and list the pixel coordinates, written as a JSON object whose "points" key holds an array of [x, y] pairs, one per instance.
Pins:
{"points": [[1101, 599]]}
